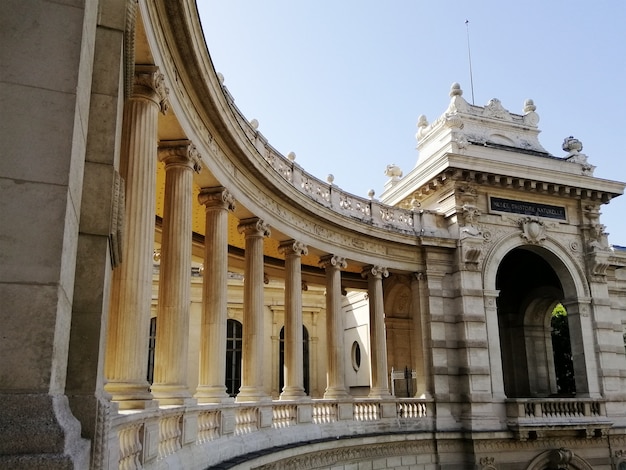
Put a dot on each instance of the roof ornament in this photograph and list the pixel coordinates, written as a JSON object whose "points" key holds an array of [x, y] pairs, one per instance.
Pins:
{"points": [[573, 147], [531, 118], [394, 172]]}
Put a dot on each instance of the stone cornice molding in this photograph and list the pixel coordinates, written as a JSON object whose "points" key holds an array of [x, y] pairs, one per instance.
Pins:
{"points": [[333, 261], [217, 197], [293, 247], [149, 84], [254, 227], [180, 153]]}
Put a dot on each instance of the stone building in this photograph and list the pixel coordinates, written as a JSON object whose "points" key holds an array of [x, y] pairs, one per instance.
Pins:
{"points": [[177, 294]]}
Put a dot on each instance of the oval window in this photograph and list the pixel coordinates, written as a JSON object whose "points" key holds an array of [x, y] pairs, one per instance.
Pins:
{"points": [[356, 356]]}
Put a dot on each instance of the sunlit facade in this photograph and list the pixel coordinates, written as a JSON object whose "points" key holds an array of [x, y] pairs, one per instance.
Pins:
{"points": [[175, 293]]}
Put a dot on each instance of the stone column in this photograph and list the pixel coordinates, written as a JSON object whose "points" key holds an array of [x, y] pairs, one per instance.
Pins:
{"points": [[129, 320], [294, 376], [172, 333], [252, 371], [211, 389], [336, 380], [378, 340]]}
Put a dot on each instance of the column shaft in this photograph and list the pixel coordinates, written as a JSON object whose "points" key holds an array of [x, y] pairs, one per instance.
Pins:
{"points": [[294, 375], [378, 340], [252, 355], [172, 332], [127, 342], [211, 389], [336, 381]]}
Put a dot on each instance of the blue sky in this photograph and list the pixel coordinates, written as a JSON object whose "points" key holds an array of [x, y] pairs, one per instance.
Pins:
{"points": [[342, 83]]}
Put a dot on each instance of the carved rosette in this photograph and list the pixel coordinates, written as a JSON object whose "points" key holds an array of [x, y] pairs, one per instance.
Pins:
{"points": [[487, 463], [533, 230], [333, 261], [216, 197]]}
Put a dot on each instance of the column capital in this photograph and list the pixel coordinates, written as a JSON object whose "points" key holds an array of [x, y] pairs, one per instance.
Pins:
{"points": [[254, 227], [150, 83], [378, 272], [328, 261], [218, 197], [181, 153], [293, 247]]}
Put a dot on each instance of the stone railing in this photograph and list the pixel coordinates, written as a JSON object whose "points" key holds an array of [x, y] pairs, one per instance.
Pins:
{"points": [[367, 210], [532, 416], [179, 436]]}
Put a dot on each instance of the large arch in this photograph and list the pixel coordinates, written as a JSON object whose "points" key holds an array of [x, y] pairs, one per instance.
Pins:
{"points": [[562, 280]]}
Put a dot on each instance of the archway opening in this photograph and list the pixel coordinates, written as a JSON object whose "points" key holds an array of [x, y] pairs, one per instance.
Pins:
{"points": [[534, 334]]}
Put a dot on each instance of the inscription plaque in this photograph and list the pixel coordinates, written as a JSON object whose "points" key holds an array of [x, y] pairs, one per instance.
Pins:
{"points": [[527, 208]]}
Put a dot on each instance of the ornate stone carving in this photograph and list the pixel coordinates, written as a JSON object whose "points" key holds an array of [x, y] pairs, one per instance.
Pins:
{"points": [[531, 118], [293, 247], [394, 172], [150, 82], [333, 260], [561, 458], [495, 110], [376, 271], [487, 463], [533, 230], [180, 152], [217, 196], [254, 226], [573, 147]]}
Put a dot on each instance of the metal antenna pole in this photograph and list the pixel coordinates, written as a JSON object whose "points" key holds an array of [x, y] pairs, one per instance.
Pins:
{"points": [[469, 55]]}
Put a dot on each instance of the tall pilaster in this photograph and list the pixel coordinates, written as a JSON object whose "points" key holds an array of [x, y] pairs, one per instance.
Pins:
{"points": [[252, 372], [129, 321], [421, 336], [294, 375], [211, 389], [378, 341], [336, 379], [172, 333]]}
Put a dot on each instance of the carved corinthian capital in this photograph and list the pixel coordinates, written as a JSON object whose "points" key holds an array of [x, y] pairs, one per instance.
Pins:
{"points": [[254, 227], [378, 272], [333, 261], [180, 152], [293, 247], [150, 84], [216, 197]]}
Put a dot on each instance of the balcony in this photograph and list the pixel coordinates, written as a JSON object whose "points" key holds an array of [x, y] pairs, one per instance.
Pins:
{"points": [[534, 418], [202, 436]]}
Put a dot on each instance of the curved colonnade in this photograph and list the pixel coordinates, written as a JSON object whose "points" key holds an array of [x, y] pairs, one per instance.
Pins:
{"points": [[453, 277]]}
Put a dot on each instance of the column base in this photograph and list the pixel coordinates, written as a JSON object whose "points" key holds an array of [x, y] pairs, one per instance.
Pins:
{"points": [[293, 393], [131, 396], [213, 394], [251, 394], [172, 395], [337, 394], [379, 393]]}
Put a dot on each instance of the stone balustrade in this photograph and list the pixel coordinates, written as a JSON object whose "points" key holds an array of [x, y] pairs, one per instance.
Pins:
{"points": [[175, 435], [530, 417], [331, 196]]}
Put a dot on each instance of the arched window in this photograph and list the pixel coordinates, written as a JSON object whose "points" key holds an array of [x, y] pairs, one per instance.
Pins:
{"points": [[305, 359], [234, 344]]}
